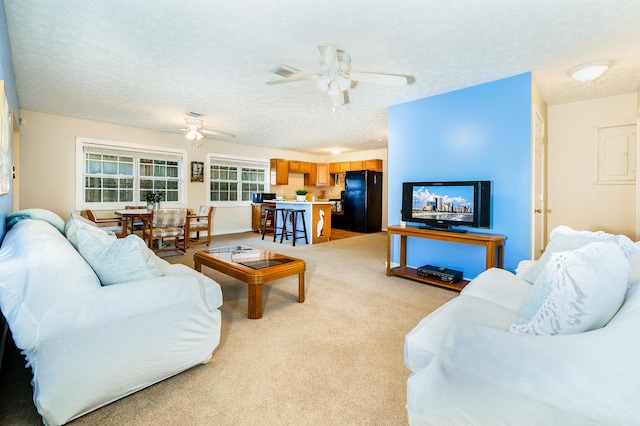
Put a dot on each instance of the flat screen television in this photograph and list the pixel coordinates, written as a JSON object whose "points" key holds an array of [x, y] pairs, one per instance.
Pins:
{"points": [[447, 205]]}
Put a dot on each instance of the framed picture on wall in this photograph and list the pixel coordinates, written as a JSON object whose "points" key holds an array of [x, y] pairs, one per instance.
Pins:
{"points": [[197, 171]]}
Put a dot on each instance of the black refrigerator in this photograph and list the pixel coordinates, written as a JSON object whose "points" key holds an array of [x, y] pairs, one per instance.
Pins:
{"points": [[363, 201]]}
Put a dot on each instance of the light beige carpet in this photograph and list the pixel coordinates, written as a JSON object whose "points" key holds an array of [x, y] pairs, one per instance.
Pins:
{"points": [[336, 359]]}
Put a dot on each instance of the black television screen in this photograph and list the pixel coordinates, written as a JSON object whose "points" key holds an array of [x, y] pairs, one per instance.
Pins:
{"points": [[444, 205]]}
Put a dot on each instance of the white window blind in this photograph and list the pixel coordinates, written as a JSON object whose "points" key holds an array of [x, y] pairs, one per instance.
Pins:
{"points": [[115, 174], [233, 179]]}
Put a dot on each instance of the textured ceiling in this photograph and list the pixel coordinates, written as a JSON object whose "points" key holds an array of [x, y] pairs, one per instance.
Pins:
{"points": [[147, 63]]}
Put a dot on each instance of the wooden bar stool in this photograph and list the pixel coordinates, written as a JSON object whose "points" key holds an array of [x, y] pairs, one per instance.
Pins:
{"points": [[290, 215], [270, 221], [283, 225]]}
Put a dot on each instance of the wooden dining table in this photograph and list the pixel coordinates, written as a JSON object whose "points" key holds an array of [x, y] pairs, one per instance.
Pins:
{"points": [[129, 216]]}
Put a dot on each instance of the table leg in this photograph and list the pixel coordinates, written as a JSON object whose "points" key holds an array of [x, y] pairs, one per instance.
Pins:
{"points": [[501, 257], [403, 251], [389, 240], [197, 266], [301, 287], [491, 255], [125, 226], [255, 301]]}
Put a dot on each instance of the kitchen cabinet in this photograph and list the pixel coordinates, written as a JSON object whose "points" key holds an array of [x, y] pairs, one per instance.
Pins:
{"points": [[305, 167], [347, 166], [294, 166], [324, 179], [258, 216], [318, 175], [373, 165], [341, 167], [279, 171]]}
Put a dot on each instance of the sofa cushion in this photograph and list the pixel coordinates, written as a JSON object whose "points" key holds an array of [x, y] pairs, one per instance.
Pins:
{"points": [[40, 269], [634, 276], [564, 238], [425, 340], [499, 286], [117, 260], [577, 291], [39, 214]]}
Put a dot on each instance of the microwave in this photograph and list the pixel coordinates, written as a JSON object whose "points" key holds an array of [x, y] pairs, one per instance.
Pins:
{"points": [[260, 197]]}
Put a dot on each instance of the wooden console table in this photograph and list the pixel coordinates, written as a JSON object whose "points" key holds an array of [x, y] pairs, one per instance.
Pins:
{"points": [[494, 244]]}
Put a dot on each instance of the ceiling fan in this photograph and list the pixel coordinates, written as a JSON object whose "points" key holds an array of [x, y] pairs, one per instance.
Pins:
{"points": [[336, 77], [194, 130]]}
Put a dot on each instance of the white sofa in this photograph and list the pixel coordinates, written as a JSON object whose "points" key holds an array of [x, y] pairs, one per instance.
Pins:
{"points": [[557, 343], [89, 344]]}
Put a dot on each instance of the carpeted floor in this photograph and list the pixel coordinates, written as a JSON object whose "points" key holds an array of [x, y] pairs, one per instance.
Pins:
{"points": [[336, 359]]}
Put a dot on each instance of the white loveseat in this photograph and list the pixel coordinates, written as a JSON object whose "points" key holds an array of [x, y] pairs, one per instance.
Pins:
{"points": [[557, 343], [89, 344]]}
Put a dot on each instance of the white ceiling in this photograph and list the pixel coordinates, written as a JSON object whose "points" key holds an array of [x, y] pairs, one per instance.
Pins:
{"points": [[147, 63]]}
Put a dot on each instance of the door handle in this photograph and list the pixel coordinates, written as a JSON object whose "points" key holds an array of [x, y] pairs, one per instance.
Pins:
{"points": [[537, 211]]}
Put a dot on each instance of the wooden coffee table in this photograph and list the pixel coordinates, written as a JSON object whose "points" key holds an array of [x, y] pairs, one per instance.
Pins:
{"points": [[269, 267]]}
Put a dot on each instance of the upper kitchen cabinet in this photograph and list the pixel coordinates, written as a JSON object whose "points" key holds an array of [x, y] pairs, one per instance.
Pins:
{"points": [[373, 165], [318, 175], [346, 166], [279, 171], [296, 166]]}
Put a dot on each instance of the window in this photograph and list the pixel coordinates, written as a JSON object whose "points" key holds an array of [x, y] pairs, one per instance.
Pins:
{"points": [[234, 179], [113, 174]]}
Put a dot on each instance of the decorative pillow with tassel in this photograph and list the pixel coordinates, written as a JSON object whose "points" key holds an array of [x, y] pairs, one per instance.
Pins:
{"points": [[578, 290]]}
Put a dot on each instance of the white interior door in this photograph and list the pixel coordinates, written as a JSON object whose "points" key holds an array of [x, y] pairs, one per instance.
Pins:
{"points": [[539, 203]]}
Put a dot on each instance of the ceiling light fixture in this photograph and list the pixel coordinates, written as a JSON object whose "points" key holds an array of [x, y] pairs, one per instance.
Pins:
{"points": [[194, 133], [589, 71]]}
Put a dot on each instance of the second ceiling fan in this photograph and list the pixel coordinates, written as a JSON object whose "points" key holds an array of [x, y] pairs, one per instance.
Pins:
{"points": [[336, 77]]}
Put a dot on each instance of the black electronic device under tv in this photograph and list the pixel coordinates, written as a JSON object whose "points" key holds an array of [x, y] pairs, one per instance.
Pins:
{"points": [[447, 204]]}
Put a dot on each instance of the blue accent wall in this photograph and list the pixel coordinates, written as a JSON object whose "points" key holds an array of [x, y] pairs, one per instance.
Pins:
{"points": [[478, 133], [6, 74]]}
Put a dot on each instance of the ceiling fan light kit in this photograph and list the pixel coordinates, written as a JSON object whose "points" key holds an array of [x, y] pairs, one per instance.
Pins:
{"points": [[590, 71], [195, 130], [194, 134]]}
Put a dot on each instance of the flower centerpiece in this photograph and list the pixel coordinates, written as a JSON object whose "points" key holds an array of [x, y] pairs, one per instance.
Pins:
{"points": [[153, 199], [301, 194]]}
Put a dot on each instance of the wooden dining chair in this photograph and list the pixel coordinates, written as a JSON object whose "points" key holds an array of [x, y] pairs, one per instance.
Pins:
{"points": [[109, 224], [165, 224], [197, 222]]}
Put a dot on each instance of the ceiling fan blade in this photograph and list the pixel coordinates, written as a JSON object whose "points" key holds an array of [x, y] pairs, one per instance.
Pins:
{"points": [[370, 77], [329, 55], [173, 130], [216, 133], [293, 79]]}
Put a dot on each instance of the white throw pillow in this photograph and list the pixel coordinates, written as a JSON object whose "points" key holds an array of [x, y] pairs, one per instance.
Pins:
{"points": [[117, 260], [76, 222], [563, 238], [578, 291]]}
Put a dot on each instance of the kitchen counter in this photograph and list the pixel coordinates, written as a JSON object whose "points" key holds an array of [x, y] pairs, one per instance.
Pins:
{"points": [[317, 217]]}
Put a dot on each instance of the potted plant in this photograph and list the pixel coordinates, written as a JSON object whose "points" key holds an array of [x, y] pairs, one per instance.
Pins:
{"points": [[301, 194], [153, 199]]}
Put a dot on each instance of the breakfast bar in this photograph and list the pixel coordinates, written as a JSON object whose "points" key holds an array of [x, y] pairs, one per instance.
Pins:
{"points": [[317, 217]]}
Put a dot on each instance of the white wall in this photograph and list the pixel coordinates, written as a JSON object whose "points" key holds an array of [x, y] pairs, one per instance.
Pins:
{"points": [[574, 199], [47, 163]]}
